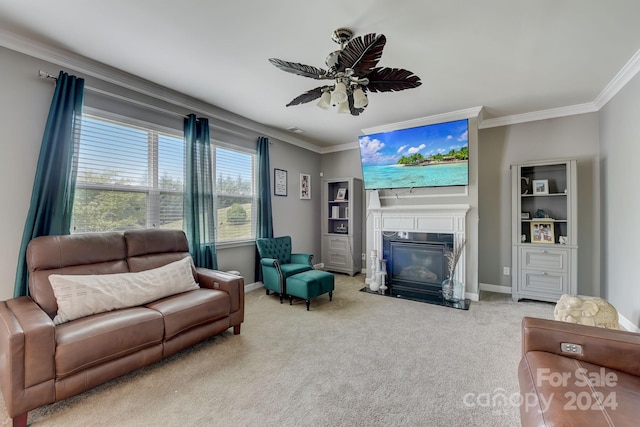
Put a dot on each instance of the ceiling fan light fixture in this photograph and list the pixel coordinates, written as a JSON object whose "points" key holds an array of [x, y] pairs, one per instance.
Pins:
{"points": [[354, 70], [343, 107], [325, 100], [339, 94], [360, 100]]}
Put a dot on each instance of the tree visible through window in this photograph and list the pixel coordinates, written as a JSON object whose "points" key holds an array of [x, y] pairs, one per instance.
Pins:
{"points": [[128, 177], [235, 195]]}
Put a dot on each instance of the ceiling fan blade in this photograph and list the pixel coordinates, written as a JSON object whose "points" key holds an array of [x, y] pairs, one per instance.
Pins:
{"points": [[362, 53], [300, 69], [308, 96], [392, 80]]}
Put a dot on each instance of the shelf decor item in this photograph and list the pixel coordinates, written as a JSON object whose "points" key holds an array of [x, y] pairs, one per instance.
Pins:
{"points": [[542, 232], [342, 194], [540, 186], [451, 288]]}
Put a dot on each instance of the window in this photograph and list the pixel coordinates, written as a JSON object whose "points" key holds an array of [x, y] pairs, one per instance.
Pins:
{"points": [[128, 177], [236, 195]]}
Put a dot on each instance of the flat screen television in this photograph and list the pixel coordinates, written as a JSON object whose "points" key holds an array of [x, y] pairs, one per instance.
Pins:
{"points": [[426, 156]]}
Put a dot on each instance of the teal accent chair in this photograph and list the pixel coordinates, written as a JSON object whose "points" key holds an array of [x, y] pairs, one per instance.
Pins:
{"points": [[278, 263]]}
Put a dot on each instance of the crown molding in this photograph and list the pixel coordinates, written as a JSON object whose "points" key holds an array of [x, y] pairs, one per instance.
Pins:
{"points": [[111, 75], [341, 147], [629, 71], [422, 121], [105, 73], [551, 113]]}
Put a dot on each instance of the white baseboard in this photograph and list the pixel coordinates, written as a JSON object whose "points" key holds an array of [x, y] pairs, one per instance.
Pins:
{"points": [[471, 296], [627, 324], [252, 286], [495, 288]]}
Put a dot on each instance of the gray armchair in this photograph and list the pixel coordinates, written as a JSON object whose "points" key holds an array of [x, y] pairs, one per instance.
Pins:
{"points": [[278, 263]]}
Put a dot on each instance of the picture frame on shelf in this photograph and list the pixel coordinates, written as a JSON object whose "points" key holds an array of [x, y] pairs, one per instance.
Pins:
{"points": [[540, 186], [542, 232], [279, 182], [525, 215], [342, 194], [305, 186]]}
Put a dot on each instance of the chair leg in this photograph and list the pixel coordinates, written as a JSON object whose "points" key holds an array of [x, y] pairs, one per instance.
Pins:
{"points": [[330, 295], [308, 304], [281, 298], [290, 300], [267, 291]]}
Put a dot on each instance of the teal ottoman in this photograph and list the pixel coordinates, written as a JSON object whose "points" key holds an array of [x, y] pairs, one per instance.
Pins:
{"points": [[309, 284]]}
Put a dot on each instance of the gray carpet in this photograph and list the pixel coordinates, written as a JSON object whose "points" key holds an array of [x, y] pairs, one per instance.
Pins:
{"points": [[361, 360]]}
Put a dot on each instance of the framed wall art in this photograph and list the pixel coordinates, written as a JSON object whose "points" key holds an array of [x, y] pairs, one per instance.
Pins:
{"points": [[279, 182], [305, 186]]}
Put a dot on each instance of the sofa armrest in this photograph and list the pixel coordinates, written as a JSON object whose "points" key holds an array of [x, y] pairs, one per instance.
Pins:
{"points": [[610, 348], [229, 283], [302, 258], [27, 346]]}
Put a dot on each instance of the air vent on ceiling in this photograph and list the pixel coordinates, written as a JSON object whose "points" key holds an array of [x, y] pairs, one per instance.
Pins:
{"points": [[295, 129]]}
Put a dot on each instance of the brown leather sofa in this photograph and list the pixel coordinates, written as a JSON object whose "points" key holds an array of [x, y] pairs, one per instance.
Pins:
{"points": [[43, 363], [577, 375]]}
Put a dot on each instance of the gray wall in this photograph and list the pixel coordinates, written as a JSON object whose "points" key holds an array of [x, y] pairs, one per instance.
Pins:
{"points": [[24, 106], [619, 156], [567, 137]]}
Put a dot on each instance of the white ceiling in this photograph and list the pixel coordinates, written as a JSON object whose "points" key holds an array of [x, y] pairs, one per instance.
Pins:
{"points": [[511, 56]]}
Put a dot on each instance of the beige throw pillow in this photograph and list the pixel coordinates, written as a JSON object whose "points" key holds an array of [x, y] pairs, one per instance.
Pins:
{"points": [[83, 295]]}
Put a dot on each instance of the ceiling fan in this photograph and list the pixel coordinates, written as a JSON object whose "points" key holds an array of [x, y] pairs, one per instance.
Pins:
{"points": [[353, 71]]}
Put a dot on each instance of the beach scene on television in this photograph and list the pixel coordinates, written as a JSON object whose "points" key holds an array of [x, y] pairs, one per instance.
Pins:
{"points": [[426, 156]]}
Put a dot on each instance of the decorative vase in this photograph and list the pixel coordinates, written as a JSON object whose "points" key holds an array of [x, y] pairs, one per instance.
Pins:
{"points": [[374, 284], [452, 290]]}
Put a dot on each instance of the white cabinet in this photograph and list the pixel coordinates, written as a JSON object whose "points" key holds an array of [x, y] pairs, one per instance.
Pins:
{"points": [[544, 230], [342, 225]]}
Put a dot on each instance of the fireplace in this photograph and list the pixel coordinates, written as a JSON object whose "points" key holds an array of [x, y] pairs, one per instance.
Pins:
{"points": [[417, 236], [416, 265]]}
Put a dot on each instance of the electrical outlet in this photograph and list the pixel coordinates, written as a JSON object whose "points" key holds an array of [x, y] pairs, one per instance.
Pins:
{"points": [[506, 271]]}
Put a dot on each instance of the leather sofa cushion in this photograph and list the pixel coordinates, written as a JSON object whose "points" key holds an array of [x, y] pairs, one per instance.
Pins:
{"points": [[97, 339], [184, 311], [82, 295], [86, 253], [562, 391]]}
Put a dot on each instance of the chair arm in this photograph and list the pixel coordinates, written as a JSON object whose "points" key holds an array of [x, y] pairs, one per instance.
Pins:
{"points": [[27, 346], [302, 259], [269, 262], [229, 283], [609, 348]]}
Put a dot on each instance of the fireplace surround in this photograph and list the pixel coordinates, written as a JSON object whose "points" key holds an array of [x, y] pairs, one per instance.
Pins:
{"points": [[413, 240]]}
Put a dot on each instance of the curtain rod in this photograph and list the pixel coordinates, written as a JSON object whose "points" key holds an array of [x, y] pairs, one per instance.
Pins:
{"points": [[45, 75]]}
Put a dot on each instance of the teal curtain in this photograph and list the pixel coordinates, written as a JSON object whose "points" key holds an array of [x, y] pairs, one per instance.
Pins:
{"points": [[199, 215], [55, 180], [265, 221]]}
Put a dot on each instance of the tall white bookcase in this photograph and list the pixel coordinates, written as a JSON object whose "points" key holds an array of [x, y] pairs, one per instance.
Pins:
{"points": [[342, 225], [544, 230]]}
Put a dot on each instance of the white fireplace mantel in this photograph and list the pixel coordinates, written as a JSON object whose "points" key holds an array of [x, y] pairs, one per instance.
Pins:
{"points": [[441, 218]]}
